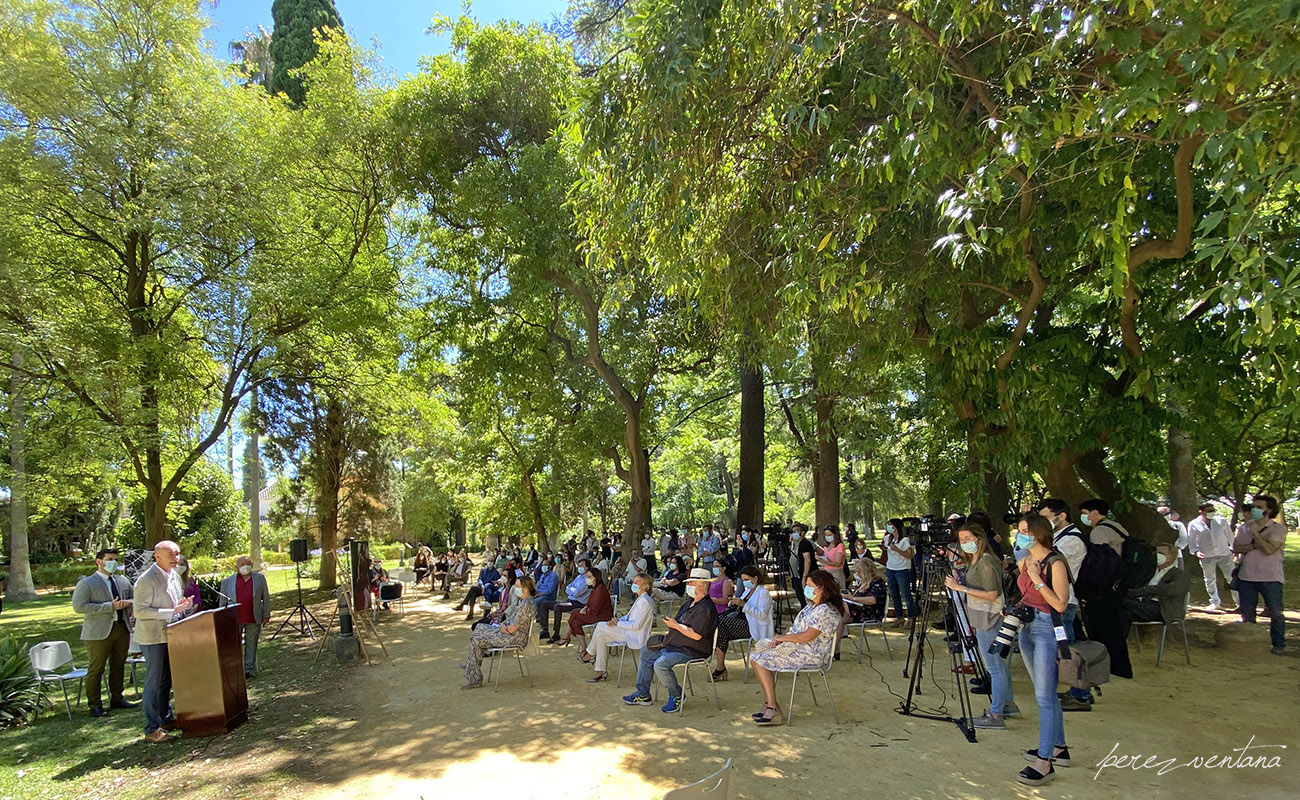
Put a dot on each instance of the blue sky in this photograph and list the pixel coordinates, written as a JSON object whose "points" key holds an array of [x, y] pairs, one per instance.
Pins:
{"points": [[398, 25]]}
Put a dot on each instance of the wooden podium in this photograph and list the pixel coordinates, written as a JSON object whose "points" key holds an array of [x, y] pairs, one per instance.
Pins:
{"points": [[207, 662]]}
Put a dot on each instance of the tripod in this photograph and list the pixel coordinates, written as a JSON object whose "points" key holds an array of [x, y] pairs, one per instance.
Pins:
{"points": [[934, 569], [299, 614]]}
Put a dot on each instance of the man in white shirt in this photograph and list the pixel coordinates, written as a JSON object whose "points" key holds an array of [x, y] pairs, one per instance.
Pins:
{"points": [[648, 551], [635, 566], [1211, 541]]}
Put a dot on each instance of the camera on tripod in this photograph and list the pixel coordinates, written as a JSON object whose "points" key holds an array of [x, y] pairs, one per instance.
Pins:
{"points": [[1014, 617], [928, 533]]}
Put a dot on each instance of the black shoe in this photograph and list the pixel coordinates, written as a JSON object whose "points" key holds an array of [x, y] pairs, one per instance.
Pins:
{"points": [[124, 704], [1071, 704], [98, 712]]}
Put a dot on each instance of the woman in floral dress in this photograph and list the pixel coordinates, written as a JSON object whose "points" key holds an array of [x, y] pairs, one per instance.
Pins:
{"points": [[805, 646], [513, 629]]}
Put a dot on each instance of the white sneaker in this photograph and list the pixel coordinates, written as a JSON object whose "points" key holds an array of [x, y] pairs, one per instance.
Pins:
{"points": [[1212, 608]]}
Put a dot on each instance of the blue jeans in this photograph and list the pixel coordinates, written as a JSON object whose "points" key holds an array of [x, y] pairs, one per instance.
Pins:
{"points": [[1038, 649], [157, 699], [661, 663], [999, 672], [1272, 592], [1067, 619], [900, 582]]}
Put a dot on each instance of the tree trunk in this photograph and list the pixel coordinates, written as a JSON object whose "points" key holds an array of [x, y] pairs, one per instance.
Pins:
{"points": [[638, 479], [1079, 476], [753, 432], [1182, 475], [535, 506], [728, 486], [827, 499], [333, 460], [19, 586], [255, 501]]}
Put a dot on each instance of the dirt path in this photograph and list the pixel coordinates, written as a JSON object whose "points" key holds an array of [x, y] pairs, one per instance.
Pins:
{"points": [[402, 729]]}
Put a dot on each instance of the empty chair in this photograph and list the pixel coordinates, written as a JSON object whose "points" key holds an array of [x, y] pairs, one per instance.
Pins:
{"points": [[134, 656], [48, 658], [715, 787]]}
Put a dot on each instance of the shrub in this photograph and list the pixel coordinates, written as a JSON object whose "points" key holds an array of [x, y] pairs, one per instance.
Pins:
{"points": [[56, 576], [20, 694]]}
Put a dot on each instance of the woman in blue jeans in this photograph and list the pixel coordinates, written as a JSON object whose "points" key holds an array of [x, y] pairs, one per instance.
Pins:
{"points": [[898, 551], [981, 582], [1041, 569]]}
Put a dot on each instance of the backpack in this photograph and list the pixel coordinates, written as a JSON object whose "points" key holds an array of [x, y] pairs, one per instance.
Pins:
{"points": [[1087, 667], [1099, 573], [1137, 558]]}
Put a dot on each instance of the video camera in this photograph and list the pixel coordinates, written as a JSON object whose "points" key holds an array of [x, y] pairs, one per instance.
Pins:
{"points": [[928, 533]]}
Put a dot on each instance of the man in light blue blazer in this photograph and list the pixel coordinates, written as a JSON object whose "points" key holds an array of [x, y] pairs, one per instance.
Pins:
{"points": [[103, 600], [159, 600]]}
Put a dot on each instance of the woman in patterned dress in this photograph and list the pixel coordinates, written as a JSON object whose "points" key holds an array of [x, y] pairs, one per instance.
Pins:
{"points": [[805, 646], [513, 629]]}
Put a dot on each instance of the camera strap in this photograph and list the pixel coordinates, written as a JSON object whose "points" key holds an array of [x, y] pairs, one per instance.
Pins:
{"points": [[1058, 624]]}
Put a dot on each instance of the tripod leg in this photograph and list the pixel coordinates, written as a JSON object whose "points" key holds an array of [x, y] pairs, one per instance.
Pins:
{"points": [[326, 635]]}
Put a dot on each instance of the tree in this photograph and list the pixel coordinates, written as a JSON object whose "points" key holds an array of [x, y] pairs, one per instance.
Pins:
{"points": [[142, 217], [297, 25]]}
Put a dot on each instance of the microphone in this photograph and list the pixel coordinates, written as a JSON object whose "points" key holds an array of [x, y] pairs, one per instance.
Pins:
{"points": [[222, 594]]}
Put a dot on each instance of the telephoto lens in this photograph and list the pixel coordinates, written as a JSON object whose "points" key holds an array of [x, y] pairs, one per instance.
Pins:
{"points": [[1011, 622]]}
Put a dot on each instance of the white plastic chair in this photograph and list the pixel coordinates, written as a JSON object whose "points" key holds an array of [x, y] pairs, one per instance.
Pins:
{"points": [[518, 650], [825, 667], [47, 658], [707, 663], [715, 787], [1164, 630], [134, 657]]}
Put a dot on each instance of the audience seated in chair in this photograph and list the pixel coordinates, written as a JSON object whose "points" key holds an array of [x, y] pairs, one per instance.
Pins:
{"points": [[599, 608], [868, 593], [487, 588], [804, 646], [511, 630], [689, 637], [1163, 598], [576, 594], [506, 584], [631, 630], [457, 572], [672, 586], [749, 616]]}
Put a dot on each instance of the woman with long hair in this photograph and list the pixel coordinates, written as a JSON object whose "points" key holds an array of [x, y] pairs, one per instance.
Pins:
{"points": [[805, 646], [1045, 590], [981, 583], [189, 584]]}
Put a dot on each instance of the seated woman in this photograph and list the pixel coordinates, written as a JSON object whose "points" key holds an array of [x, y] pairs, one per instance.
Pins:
{"points": [[672, 586], [599, 608], [752, 621], [493, 613], [457, 572], [868, 595], [423, 564], [631, 630], [804, 646], [513, 629]]}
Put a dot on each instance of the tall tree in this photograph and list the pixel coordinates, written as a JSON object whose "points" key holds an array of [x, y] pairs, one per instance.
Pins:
{"points": [[297, 26]]}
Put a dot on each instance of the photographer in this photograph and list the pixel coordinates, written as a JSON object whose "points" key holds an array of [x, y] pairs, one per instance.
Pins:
{"points": [[898, 553], [982, 585], [1041, 569]]}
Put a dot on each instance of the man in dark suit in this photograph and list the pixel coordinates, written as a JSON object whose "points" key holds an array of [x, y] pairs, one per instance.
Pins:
{"points": [[1164, 599], [103, 599]]}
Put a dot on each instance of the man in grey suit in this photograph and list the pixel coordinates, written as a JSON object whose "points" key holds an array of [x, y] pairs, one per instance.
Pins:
{"points": [[1164, 599], [158, 601], [103, 600], [249, 590]]}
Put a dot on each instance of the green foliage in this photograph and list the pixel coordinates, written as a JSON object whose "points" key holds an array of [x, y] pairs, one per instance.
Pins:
{"points": [[298, 23], [20, 696], [205, 516]]}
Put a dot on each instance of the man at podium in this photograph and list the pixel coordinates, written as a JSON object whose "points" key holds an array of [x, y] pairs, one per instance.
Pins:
{"points": [[158, 599], [250, 591]]}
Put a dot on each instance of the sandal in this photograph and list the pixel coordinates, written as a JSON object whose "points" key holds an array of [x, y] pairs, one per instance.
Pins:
{"points": [[598, 677], [1033, 777], [719, 674], [769, 716], [586, 657]]}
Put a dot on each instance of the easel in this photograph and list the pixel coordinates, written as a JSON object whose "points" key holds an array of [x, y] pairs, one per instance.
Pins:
{"points": [[364, 620]]}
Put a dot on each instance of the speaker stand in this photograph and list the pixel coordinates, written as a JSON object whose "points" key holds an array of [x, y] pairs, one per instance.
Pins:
{"points": [[300, 619]]}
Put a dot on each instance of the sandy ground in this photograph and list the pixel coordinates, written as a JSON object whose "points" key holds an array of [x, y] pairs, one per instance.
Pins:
{"points": [[401, 728]]}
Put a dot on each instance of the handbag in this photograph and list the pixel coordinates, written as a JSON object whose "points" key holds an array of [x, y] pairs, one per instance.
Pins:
{"points": [[655, 642]]}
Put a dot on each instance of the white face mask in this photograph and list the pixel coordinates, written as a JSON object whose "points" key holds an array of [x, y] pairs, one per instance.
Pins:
{"points": [[180, 569], [247, 569], [110, 567], [829, 539]]}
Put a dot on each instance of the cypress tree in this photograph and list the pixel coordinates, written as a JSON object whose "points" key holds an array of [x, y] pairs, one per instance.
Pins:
{"points": [[292, 42]]}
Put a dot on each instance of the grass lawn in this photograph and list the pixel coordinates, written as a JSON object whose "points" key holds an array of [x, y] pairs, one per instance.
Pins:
{"points": [[90, 757]]}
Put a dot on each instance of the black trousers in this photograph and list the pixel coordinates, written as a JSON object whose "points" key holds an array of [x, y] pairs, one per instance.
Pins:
{"points": [[1143, 610], [558, 610]]}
